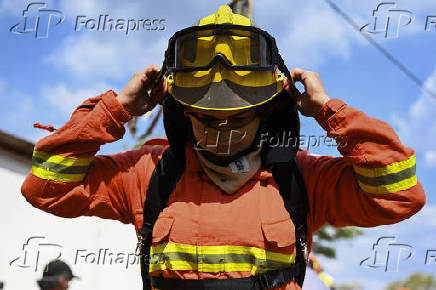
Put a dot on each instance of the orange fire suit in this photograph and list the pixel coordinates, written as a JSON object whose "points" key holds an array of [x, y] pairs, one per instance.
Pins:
{"points": [[203, 233]]}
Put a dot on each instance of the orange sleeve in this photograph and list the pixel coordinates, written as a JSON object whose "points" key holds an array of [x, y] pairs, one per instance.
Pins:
{"points": [[69, 181], [374, 183]]}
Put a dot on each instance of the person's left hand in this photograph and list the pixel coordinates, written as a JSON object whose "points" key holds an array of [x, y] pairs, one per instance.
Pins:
{"points": [[311, 101]]}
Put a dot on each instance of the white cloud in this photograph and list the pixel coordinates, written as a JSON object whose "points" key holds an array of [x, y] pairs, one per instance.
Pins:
{"points": [[308, 33], [65, 99], [318, 34], [106, 57], [417, 127]]}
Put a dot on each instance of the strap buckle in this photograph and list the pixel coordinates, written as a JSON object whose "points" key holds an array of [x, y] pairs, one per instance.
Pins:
{"points": [[304, 250], [144, 238], [139, 251], [301, 236]]}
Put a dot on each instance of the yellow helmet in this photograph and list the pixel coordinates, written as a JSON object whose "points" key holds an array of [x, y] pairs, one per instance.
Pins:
{"points": [[224, 63]]}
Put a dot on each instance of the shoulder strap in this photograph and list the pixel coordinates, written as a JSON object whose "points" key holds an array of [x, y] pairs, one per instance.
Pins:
{"points": [[293, 191], [162, 183]]}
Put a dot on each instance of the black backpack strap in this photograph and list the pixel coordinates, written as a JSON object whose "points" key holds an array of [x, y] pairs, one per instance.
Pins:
{"points": [[162, 183], [163, 180], [285, 170], [293, 191]]}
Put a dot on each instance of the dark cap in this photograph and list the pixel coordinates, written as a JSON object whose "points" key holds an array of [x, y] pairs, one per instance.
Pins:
{"points": [[56, 269]]}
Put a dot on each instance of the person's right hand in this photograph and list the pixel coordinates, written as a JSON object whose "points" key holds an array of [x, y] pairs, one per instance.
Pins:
{"points": [[313, 99], [138, 97]]}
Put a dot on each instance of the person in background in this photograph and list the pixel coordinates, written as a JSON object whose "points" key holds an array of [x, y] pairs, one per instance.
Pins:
{"points": [[56, 276]]}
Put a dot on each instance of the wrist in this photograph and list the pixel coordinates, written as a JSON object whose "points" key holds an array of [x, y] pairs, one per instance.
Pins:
{"points": [[123, 100], [316, 104], [119, 112], [133, 107], [321, 101], [331, 108]]}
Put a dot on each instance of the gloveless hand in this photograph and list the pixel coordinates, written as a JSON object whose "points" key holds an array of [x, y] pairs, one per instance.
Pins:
{"points": [[139, 96], [314, 97]]}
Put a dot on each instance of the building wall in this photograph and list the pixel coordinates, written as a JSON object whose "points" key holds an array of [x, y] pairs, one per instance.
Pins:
{"points": [[79, 241]]}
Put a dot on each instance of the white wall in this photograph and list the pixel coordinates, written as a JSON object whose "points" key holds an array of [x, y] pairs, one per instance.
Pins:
{"points": [[19, 221]]}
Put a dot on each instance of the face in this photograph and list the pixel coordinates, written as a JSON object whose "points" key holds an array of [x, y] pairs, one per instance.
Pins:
{"points": [[223, 133], [63, 284]]}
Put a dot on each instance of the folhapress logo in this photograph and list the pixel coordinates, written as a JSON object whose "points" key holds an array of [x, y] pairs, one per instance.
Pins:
{"points": [[387, 254], [388, 20], [38, 20]]}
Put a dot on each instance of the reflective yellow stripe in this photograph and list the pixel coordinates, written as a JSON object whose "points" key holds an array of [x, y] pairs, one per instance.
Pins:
{"points": [[59, 168], [214, 250], [211, 268], [176, 256], [62, 177], [67, 161], [390, 188], [389, 169], [174, 265], [391, 178]]}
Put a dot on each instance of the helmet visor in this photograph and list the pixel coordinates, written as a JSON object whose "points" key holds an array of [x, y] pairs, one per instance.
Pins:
{"points": [[236, 48]]}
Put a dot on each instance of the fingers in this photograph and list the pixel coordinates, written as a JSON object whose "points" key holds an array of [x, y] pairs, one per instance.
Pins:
{"points": [[152, 72], [160, 90], [310, 80], [161, 87], [148, 75], [302, 76], [298, 74]]}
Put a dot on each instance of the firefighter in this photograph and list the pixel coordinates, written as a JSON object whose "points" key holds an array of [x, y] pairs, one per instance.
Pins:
{"points": [[214, 206]]}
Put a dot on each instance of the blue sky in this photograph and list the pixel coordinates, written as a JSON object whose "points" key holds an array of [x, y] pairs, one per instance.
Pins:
{"points": [[43, 80]]}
